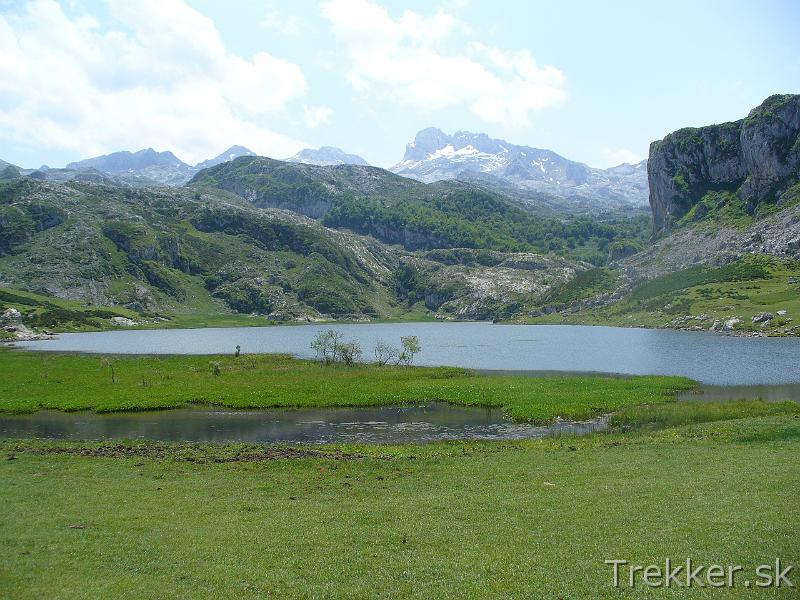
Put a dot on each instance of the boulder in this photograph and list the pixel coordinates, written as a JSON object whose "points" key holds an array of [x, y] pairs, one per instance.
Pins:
{"points": [[763, 317], [731, 324], [20, 332], [123, 322], [10, 315], [781, 313]]}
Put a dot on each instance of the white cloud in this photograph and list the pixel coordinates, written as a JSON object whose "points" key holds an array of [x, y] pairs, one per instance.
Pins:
{"points": [[160, 77], [277, 21], [618, 156], [315, 116], [407, 59]]}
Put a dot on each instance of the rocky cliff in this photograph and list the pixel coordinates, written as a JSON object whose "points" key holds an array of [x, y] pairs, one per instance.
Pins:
{"points": [[756, 158]]}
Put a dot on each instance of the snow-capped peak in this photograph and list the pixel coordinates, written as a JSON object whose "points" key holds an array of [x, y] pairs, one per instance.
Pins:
{"points": [[326, 156], [435, 155]]}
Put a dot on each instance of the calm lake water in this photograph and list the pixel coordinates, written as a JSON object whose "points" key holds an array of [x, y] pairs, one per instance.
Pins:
{"points": [[709, 358], [384, 425]]}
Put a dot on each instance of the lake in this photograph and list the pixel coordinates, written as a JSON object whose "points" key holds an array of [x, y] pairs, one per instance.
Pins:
{"points": [[368, 425], [709, 358]]}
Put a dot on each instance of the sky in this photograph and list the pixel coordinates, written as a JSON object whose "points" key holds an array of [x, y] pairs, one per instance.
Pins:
{"points": [[593, 81]]}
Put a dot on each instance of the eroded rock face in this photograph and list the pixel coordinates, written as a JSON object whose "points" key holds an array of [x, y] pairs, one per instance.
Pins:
{"points": [[770, 141], [757, 157]]}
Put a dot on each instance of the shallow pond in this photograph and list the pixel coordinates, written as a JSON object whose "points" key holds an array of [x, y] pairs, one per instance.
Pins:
{"points": [[709, 358], [370, 425]]}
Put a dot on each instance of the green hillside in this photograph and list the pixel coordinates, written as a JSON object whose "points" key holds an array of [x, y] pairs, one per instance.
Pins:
{"points": [[418, 216]]}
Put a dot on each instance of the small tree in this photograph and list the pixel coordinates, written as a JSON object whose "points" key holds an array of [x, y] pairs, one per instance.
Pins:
{"points": [[385, 353], [238, 351], [350, 353], [411, 346], [327, 345]]}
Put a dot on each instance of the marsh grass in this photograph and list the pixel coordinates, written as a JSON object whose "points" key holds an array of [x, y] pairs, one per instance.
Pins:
{"points": [[673, 414], [31, 381]]}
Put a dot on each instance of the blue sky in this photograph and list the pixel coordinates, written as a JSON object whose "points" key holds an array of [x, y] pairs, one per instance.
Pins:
{"points": [[595, 82]]}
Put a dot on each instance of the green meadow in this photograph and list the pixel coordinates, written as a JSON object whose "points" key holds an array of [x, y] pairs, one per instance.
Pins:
{"points": [[712, 481], [451, 520]]}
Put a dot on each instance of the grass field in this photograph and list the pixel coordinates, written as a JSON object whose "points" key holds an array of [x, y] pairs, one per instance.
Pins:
{"points": [[456, 520], [29, 381]]}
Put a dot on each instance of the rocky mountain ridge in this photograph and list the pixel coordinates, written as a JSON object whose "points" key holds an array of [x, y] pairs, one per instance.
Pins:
{"points": [[435, 156], [143, 168], [326, 156]]}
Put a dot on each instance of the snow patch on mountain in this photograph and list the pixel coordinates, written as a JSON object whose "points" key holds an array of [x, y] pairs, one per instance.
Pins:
{"points": [[435, 155], [326, 156]]}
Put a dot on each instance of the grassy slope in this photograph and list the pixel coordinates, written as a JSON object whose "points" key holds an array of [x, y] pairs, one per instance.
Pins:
{"points": [[58, 315], [29, 381], [179, 251], [472, 520], [745, 288], [50, 313], [397, 210]]}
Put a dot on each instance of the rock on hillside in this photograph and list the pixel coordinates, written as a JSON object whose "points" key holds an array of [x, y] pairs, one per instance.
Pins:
{"points": [[777, 235], [480, 284], [757, 158], [165, 249]]}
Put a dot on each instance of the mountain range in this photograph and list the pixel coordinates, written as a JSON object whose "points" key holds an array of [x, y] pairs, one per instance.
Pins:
{"points": [[293, 241], [521, 170], [149, 166], [541, 179], [236, 240]]}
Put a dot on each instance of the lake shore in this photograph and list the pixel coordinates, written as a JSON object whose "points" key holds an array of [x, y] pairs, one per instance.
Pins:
{"points": [[707, 358]]}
